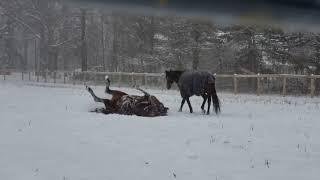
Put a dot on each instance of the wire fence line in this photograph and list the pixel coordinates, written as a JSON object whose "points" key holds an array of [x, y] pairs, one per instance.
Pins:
{"points": [[284, 84]]}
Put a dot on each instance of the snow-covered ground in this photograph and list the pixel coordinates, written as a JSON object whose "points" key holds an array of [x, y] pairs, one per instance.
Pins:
{"points": [[47, 133]]}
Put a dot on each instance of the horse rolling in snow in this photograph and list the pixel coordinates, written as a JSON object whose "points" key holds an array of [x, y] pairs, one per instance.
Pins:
{"points": [[200, 83], [122, 103]]}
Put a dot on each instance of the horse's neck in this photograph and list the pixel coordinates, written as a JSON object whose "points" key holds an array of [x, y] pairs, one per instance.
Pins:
{"points": [[178, 77]]}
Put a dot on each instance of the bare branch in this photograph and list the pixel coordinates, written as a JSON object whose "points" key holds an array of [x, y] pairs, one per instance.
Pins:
{"points": [[24, 24], [64, 42]]}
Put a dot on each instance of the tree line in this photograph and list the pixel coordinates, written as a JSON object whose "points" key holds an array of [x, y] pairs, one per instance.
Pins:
{"points": [[52, 35]]}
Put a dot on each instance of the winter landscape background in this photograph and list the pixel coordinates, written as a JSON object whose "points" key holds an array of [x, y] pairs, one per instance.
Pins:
{"points": [[50, 49], [53, 35]]}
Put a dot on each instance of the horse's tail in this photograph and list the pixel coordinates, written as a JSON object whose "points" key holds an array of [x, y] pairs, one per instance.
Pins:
{"points": [[215, 100]]}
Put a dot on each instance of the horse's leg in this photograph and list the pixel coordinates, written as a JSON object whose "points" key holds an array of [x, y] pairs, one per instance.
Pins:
{"points": [[203, 103], [190, 107], [182, 103], [209, 103], [101, 110], [95, 98], [107, 103], [144, 92]]}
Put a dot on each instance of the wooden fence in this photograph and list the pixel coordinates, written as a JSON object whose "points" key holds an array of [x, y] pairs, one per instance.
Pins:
{"points": [[283, 77], [157, 80]]}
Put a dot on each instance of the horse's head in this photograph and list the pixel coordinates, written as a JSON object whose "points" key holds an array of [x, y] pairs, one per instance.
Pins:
{"points": [[172, 76], [147, 106], [169, 78], [157, 108]]}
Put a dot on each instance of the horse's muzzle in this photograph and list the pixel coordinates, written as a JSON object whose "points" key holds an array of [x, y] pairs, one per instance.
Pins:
{"points": [[168, 86]]}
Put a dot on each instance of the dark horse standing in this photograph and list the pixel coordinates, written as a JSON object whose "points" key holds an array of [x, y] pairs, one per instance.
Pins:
{"points": [[198, 83]]}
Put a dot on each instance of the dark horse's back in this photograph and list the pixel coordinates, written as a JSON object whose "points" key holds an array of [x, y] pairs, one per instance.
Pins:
{"points": [[195, 82], [200, 83]]}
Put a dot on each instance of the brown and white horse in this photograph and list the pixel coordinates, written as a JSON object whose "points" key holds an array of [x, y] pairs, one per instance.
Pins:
{"points": [[122, 103]]}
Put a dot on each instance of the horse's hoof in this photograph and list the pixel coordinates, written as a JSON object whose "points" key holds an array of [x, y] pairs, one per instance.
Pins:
{"points": [[94, 110], [180, 110], [203, 111]]}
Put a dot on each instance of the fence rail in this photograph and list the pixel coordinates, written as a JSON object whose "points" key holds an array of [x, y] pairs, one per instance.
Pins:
{"points": [[258, 82], [284, 78]]}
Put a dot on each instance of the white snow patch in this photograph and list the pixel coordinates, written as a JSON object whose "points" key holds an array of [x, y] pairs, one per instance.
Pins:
{"points": [[221, 33], [47, 133], [161, 37]]}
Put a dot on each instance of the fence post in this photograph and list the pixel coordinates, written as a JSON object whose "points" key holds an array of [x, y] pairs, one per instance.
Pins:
{"points": [[86, 77], [73, 78], [312, 86], [22, 78], [119, 79], [235, 84], [163, 80], [45, 76], [29, 76], [37, 74], [132, 79], [83, 77], [258, 84], [284, 86], [54, 76], [95, 78], [64, 77], [145, 80]]}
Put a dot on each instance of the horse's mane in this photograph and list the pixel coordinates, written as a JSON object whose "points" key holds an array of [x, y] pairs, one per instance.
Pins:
{"points": [[175, 73], [178, 71]]}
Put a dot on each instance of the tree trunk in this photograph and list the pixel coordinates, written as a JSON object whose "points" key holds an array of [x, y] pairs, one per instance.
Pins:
{"points": [[114, 55], [84, 60], [43, 52], [35, 57], [52, 52], [195, 50], [25, 55], [195, 58], [152, 33], [102, 43], [10, 47], [55, 58]]}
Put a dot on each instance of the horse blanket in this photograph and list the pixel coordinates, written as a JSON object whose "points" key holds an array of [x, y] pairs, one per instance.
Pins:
{"points": [[194, 82]]}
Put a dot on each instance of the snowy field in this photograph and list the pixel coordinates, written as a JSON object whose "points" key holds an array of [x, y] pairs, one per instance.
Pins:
{"points": [[47, 133]]}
